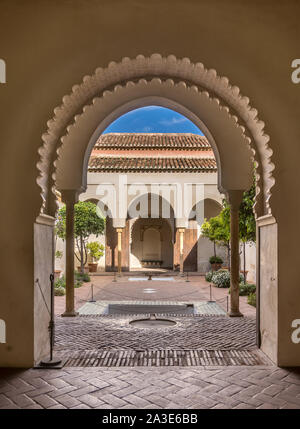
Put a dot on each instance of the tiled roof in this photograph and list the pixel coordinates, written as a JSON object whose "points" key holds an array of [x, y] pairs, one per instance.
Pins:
{"points": [[130, 165], [152, 141]]}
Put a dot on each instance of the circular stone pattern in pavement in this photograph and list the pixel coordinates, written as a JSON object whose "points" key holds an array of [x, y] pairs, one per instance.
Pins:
{"points": [[190, 332], [152, 323]]}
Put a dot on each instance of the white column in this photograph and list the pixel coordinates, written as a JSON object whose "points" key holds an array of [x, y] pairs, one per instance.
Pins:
{"points": [[119, 232], [181, 244]]}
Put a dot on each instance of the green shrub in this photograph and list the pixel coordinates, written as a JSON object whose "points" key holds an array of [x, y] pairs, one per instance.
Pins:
{"points": [[78, 283], [246, 289], [95, 249], [221, 278], [61, 282], [58, 254], [215, 260], [60, 286], [82, 277], [79, 279], [252, 299], [59, 291], [209, 276]]}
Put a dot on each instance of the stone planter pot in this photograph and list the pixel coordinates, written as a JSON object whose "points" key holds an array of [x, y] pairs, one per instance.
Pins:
{"points": [[93, 267], [57, 274], [85, 269], [216, 266]]}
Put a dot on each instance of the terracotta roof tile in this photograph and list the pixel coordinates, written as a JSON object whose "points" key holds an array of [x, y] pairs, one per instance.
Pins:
{"points": [[152, 141], [125, 164]]}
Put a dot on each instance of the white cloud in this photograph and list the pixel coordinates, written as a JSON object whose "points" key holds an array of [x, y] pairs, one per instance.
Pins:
{"points": [[151, 108], [172, 121]]}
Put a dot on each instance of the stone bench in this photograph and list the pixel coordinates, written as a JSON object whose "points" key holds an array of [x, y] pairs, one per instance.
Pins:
{"points": [[147, 263]]}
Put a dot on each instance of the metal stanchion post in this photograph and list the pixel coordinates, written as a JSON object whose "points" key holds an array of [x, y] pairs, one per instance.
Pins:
{"points": [[115, 277], [210, 294], [187, 276], [92, 298], [51, 362]]}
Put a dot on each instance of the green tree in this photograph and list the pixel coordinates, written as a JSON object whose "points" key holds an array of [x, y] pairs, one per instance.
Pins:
{"points": [[87, 221], [223, 232], [217, 229], [208, 231], [247, 224], [95, 250]]}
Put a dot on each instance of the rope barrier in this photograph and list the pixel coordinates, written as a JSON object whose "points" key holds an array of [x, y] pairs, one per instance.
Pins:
{"points": [[90, 295], [38, 283]]}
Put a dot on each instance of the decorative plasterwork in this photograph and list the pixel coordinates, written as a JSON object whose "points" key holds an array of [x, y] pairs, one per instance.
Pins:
{"points": [[147, 68], [225, 135], [151, 226]]}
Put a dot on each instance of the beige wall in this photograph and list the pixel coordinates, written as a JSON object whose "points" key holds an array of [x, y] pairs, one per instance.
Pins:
{"points": [[154, 244], [212, 205], [268, 293], [43, 267], [250, 262], [49, 46], [60, 264]]}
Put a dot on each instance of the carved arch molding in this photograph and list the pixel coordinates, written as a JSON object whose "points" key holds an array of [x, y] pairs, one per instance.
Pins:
{"points": [[169, 81]]}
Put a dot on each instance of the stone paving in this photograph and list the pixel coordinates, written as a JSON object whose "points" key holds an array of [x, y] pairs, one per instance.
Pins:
{"points": [[190, 332], [196, 290], [147, 388], [264, 386], [200, 307]]}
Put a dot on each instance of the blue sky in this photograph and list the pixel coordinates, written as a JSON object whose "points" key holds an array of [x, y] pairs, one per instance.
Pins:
{"points": [[152, 119]]}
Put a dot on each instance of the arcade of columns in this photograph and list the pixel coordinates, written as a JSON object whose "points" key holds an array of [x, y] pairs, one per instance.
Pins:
{"points": [[234, 198]]}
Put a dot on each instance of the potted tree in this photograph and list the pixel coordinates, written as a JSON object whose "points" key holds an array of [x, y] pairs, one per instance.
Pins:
{"points": [[95, 251], [86, 222], [215, 262], [215, 229], [58, 255]]}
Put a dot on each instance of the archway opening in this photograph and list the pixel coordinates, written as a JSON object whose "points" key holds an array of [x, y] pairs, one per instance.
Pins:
{"points": [[157, 188], [184, 98], [151, 233]]}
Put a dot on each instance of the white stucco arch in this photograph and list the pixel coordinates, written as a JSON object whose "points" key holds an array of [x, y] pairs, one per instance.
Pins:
{"points": [[136, 199], [208, 199], [194, 77], [224, 115], [100, 205], [226, 136]]}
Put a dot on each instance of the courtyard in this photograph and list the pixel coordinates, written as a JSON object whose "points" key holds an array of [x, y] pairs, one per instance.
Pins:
{"points": [[104, 327], [207, 360], [150, 172]]}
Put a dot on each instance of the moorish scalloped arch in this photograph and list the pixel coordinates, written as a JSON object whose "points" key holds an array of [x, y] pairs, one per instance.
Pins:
{"points": [[162, 198], [178, 70], [226, 136]]}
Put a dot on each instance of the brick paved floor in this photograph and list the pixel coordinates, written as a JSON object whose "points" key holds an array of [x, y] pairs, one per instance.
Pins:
{"points": [[157, 307], [142, 387], [197, 289], [115, 332], [192, 388]]}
